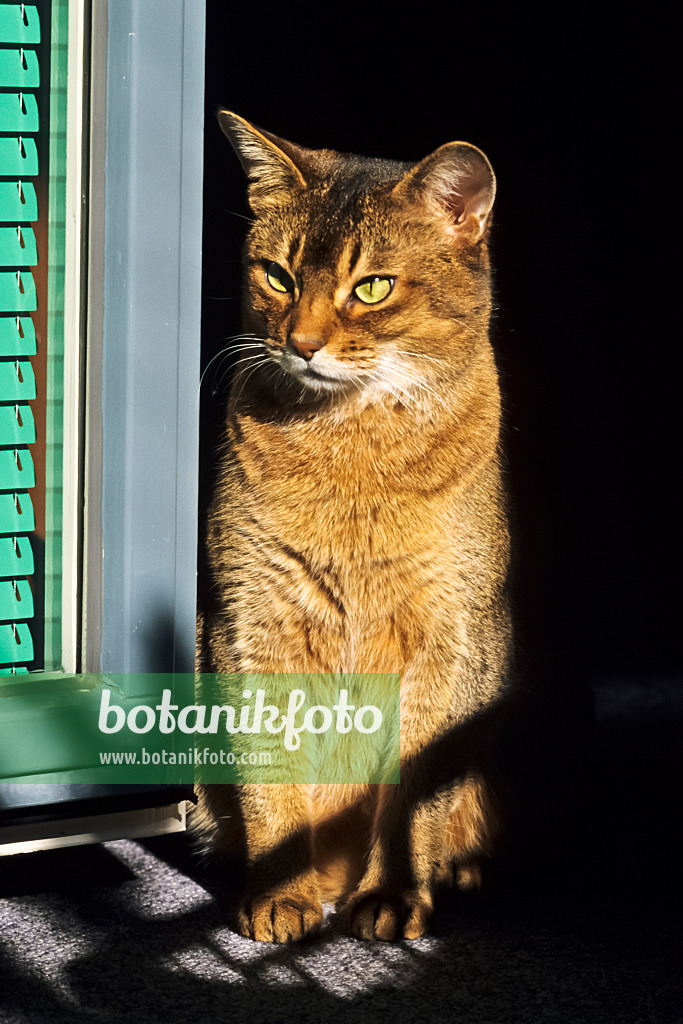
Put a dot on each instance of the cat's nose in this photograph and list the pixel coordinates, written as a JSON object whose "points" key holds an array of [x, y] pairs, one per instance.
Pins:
{"points": [[304, 345]]}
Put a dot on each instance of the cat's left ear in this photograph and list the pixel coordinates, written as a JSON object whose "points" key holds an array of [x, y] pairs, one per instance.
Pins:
{"points": [[456, 180]]}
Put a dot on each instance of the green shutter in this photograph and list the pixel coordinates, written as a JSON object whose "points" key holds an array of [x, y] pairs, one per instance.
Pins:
{"points": [[19, 123]]}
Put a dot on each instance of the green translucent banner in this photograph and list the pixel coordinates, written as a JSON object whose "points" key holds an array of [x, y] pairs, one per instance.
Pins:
{"points": [[180, 729]]}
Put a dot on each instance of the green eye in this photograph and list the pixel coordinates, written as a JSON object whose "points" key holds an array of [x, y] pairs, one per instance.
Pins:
{"points": [[278, 279], [373, 289]]}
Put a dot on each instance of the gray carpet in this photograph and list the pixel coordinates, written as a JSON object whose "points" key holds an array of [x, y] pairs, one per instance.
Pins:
{"points": [[136, 931]]}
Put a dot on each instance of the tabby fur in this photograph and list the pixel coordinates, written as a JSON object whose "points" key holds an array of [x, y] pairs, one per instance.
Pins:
{"points": [[359, 525]]}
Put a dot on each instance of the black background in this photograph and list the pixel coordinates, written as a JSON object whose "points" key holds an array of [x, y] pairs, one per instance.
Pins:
{"points": [[582, 328]]}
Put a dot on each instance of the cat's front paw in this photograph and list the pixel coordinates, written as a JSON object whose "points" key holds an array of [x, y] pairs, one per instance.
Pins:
{"points": [[285, 914], [379, 914]]}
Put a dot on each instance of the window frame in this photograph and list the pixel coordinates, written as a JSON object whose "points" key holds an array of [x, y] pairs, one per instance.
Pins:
{"points": [[144, 332], [133, 313]]}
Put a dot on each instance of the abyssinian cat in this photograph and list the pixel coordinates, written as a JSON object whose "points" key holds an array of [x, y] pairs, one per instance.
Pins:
{"points": [[359, 524]]}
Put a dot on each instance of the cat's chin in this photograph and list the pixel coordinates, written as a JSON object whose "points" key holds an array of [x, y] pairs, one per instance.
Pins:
{"points": [[318, 378], [325, 379]]}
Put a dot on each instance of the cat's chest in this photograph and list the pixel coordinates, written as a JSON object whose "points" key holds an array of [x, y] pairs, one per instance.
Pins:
{"points": [[362, 504], [368, 497], [349, 469]]}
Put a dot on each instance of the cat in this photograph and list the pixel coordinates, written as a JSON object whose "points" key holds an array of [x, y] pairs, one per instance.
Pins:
{"points": [[359, 524]]}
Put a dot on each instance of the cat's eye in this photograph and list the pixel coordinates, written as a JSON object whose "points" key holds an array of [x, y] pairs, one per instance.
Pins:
{"points": [[278, 278], [373, 289]]}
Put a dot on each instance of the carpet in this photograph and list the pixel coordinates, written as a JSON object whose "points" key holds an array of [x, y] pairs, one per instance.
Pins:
{"points": [[136, 932]]}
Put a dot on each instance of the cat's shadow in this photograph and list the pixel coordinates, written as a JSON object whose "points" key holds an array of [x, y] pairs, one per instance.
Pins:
{"points": [[179, 959], [550, 795]]}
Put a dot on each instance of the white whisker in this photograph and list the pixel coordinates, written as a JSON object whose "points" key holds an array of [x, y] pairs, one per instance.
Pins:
{"points": [[468, 327], [259, 363], [421, 355], [250, 340], [244, 359], [415, 382], [242, 216]]}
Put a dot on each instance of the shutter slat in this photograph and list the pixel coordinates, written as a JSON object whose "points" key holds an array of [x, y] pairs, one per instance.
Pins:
{"points": [[18, 112], [16, 557], [18, 201], [16, 600], [16, 469], [19, 120], [18, 156], [17, 336], [17, 247], [19, 26], [17, 382], [19, 69], [16, 513], [16, 644], [17, 293], [17, 427]]}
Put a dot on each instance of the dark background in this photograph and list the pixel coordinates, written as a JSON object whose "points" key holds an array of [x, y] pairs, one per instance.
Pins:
{"points": [[582, 330], [573, 115]]}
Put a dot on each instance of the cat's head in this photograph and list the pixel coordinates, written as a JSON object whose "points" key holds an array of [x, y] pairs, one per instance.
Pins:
{"points": [[364, 276]]}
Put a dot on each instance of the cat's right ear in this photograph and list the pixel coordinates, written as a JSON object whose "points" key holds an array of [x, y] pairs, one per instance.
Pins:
{"points": [[458, 183], [271, 164]]}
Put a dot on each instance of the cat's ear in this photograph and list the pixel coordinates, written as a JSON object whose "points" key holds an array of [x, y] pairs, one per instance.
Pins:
{"points": [[456, 180], [271, 164]]}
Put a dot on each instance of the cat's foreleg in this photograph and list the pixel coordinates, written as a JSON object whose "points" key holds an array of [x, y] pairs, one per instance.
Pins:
{"points": [[281, 901], [418, 835], [268, 825], [268, 828]]}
